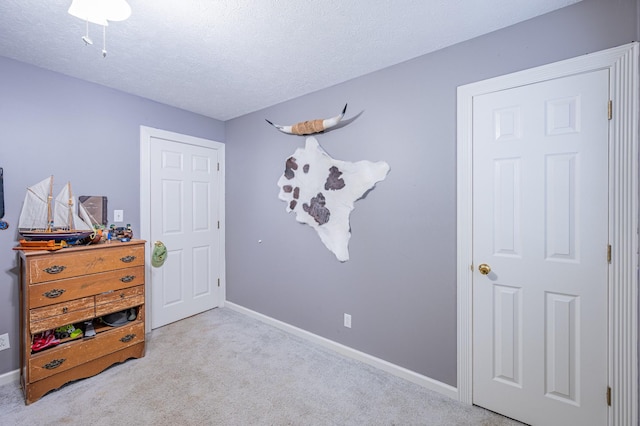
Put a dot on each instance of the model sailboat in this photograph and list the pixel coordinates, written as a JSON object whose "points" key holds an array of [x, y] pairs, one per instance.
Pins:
{"points": [[44, 218]]}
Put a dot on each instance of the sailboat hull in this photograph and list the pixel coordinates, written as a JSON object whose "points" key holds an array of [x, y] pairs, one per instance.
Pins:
{"points": [[68, 236]]}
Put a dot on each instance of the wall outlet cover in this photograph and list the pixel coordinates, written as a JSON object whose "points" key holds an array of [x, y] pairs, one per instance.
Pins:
{"points": [[347, 320], [4, 341]]}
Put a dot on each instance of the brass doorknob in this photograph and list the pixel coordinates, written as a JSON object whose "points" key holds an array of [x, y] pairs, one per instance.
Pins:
{"points": [[484, 269]]}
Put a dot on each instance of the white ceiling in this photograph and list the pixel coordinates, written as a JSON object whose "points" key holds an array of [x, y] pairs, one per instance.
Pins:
{"points": [[227, 58]]}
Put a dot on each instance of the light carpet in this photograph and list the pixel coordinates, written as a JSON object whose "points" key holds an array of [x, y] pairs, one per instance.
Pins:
{"points": [[225, 368]]}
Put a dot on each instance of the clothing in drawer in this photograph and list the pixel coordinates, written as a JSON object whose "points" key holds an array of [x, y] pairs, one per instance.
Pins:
{"points": [[57, 266], [51, 292], [60, 314]]}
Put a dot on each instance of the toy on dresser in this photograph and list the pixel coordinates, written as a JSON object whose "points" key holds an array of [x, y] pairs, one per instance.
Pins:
{"points": [[121, 233]]}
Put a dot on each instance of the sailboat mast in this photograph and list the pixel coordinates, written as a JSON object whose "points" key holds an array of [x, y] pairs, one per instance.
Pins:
{"points": [[49, 200], [70, 208]]}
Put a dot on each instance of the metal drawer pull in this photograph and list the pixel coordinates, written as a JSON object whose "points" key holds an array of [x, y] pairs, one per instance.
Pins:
{"points": [[128, 259], [55, 269], [128, 338], [128, 278], [54, 364], [65, 310], [52, 294]]}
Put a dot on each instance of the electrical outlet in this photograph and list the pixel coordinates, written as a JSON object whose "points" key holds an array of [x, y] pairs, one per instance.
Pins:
{"points": [[118, 215], [4, 342], [347, 320]]}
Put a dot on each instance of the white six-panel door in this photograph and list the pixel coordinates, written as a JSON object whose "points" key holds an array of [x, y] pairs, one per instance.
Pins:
{"points": [[540, 205], [185, 185]]}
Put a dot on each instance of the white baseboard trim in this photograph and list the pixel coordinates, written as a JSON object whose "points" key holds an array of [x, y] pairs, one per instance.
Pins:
{"points": [[381, 364], [10, 377]]}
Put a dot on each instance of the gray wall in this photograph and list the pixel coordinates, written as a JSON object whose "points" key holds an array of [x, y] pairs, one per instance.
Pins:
{"points": [[400, 284], [79, 132]]}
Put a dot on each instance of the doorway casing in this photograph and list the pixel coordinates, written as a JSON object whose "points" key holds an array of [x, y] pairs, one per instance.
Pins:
{"points": [[622, 63], [146, 135]]}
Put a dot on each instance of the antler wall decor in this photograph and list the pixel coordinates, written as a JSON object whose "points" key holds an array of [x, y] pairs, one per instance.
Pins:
{"points": [[311, 126]]}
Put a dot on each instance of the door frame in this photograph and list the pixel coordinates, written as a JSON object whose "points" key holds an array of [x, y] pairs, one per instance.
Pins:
{"points": [[622, 63], [146, 134]]}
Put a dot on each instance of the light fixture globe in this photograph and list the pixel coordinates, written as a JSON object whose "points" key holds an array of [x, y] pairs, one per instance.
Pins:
{"points": [[100, 11], [116, 10]]}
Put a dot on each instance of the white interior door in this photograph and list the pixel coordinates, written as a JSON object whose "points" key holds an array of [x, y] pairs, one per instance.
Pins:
{"points": [[185, 213], [540, 206]]}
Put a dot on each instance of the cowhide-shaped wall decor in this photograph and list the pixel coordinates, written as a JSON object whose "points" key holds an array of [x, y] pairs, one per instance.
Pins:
{"points": [[322, 192]]}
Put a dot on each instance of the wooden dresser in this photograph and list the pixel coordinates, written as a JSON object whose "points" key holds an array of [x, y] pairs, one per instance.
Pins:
{"points": [[79, 285]]}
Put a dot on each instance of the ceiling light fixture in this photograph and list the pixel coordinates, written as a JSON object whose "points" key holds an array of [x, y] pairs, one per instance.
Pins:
{"points": [[99, 12]]}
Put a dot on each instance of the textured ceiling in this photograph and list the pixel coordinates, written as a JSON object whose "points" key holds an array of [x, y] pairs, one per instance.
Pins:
{"points": [[226, 58]]}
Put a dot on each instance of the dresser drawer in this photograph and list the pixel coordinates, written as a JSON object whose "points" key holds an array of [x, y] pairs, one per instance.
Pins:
{"points": [[56, 266], [72, 288], [75, 353], [53, 316], [119, 300]]}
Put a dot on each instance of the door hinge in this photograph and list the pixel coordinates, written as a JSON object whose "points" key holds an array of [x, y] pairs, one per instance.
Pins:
{"points": [[610, 110], [609, 396], [609, 253], [219, 286], [218, 224], [219, 163]]}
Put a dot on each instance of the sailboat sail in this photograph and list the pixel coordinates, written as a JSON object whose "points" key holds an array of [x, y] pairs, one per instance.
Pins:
{"points": [[86, 216], [62, 213], [65, 216], [35, 211], [79, 223]]}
